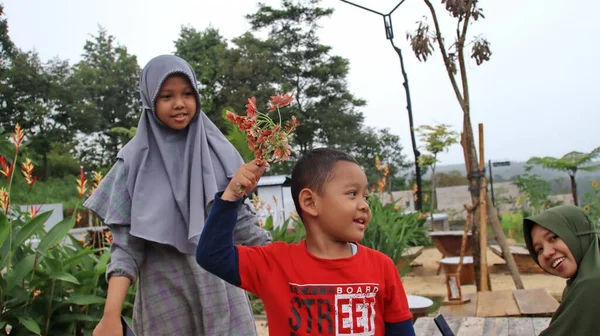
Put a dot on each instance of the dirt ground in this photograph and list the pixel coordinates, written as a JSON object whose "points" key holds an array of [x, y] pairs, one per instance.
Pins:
{"points": [[423, 281]]}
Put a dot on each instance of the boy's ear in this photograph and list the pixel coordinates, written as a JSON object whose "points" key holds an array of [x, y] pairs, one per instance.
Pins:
{"points": [[306, 199]]}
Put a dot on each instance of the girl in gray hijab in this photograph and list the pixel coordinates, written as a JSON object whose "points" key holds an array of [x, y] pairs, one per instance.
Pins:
{"points": [[155, 200]]}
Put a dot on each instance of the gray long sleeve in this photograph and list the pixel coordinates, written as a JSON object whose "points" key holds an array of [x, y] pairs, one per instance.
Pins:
{"points": [[127, 253], [247, 230]]}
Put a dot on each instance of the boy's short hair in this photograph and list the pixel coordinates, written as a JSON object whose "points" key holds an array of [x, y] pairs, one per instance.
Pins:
{"points": [[314, 169]]}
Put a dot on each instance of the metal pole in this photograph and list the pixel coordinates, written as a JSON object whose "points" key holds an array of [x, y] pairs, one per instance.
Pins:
{"points": [[389, 33]]}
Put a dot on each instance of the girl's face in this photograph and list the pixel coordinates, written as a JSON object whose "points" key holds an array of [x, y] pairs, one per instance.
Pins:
{"points": [[553, 254], [175, 103]]}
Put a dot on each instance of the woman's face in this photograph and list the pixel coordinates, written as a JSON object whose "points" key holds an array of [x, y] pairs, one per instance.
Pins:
{"points": [[553, 254], [175, 103]]}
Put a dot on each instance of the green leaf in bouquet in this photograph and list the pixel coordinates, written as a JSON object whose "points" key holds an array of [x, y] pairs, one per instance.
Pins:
{"points": [[30, 324], [55, 235]]}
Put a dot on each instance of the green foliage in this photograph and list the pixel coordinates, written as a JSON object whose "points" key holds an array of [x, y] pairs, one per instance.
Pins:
{"points": [[534, 191], [55, 286], [291, 231], [591, 200], [512, 224], [570, 163], [239, 140], [105, 82], [392, 231], [437, 139]]}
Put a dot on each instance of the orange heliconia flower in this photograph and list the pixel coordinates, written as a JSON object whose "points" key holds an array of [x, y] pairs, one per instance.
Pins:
{"points": [[18, 136], [386, 170], [97, 179], [27, 171], [380, 185], [6, 168], [34, 210], [81, 182], [108, 237], [4, 201]]}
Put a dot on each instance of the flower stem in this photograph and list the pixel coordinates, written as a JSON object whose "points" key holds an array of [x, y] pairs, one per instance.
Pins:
{"points": [[50, 306], [10, 225]]}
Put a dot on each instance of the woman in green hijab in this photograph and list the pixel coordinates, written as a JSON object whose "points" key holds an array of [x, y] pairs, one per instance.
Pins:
{"points": [[564, 242]]}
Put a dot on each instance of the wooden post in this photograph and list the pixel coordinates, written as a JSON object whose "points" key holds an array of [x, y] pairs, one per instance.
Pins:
{"points": [[484, 279]]}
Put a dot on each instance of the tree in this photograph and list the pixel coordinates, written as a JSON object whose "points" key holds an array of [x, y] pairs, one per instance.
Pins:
{"points": [[106, 84], [570, 163], [206, 52], [36, 97], [6, 45], [324, 106], [437, 139], [422, 41]]}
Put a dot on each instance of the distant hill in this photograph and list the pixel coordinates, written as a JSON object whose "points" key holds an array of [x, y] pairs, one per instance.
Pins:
{"points": [[559, 180]]}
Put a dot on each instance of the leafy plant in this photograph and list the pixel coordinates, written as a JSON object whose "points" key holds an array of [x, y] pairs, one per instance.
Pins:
{"points": [[570, 163], [592, 200], [392, 232], [52, 283]]}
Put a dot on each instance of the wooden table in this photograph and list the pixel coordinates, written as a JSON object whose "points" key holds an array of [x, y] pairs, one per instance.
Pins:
{"points": [[449, 242], [524, 261], [419, 306], [481, 326], [520, 302]]}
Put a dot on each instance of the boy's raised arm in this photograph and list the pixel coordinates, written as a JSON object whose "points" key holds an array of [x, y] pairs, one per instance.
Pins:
{"points": [[216, 252]]}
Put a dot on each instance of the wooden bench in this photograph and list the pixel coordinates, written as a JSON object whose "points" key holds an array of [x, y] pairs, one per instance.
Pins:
{"points": [[408, 256], [523, 259], [480, 326]]}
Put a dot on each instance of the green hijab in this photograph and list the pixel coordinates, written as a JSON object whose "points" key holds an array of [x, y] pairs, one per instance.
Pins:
{"points": [[578, 313]]}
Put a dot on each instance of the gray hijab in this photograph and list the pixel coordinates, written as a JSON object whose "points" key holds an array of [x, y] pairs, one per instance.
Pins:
{"points": [[172, 176]]}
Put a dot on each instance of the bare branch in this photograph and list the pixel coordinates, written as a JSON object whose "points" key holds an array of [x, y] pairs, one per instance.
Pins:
{"points": [[460, 46], [450, 65]]}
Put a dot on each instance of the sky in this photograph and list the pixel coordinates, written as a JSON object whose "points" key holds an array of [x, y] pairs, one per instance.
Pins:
{"points": [[535, 97]]}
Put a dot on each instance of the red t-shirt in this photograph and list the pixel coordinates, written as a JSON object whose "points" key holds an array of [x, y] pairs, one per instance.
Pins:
{"points": [[306, 295]]}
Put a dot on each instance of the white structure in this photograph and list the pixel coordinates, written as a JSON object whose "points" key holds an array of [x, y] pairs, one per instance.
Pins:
{"points": [[56, 216], [276, 192]]}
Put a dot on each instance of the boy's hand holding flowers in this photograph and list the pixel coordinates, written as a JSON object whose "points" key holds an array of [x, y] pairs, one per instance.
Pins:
{"points": [[244, 180]]}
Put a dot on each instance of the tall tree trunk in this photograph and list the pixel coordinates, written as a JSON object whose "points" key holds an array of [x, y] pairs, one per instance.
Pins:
{"points": [[432, 203], [468, 142], [574, 189]]}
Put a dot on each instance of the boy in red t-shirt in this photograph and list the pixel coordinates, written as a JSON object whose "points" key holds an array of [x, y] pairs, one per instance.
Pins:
{"points": [[327, 284]]}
